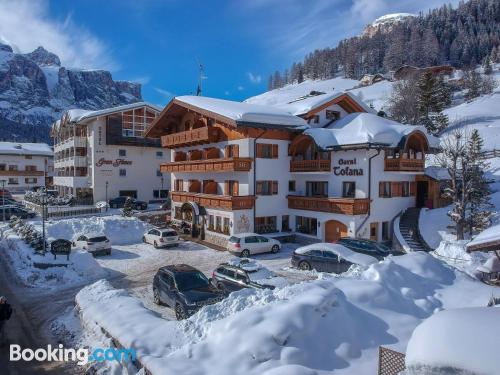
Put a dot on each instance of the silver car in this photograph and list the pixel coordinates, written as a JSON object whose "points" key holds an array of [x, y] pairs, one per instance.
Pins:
{"points": [[246, 244]]}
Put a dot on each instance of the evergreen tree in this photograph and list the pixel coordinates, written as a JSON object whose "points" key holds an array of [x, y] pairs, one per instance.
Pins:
{"points": [[128, 207], [472, 83], [480, 207], [487, 68], [432, 97], [270, 83]]}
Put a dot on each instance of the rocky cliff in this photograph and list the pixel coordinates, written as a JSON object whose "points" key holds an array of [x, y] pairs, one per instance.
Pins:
{"points": [[35, 89]]}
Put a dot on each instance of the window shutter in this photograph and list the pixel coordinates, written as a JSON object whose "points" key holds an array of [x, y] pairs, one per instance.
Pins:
{"points": [[395, 189], [413, 188], [275, 151], [275, 187], [226, 151], [380, 189], [258, 150], [236, 151], [258, 187], [236, 188], [226, 187]]}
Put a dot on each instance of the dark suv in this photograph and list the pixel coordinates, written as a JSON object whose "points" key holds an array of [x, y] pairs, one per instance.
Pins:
{"points": [[119, 202], [368, 247], [184, 288], [228, 278]]}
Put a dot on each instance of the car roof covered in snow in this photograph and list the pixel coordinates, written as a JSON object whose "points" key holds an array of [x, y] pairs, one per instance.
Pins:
{"points": [[365, 129], [465, 340], [15, 148], [340, 250]]}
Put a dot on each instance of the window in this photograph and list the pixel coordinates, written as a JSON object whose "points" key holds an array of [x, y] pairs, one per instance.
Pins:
{"points": [[211, 222], [291, 185], [306, 225], [158, 173], [159, 154], [285, 223], [405, 189], [251, 239], [316, 188], [2, 167], [384, 189], [13, 181], [232, 151], [30, 168], [30, 180], [160, 193], [332, 115], [28, 156], [218, 224], [231, 188], [315, 253], [267, 151], [13, 168], [134, 122], [265, 224], [123, 172], [267, 187], [122, 152], [316, 119], [348, 189], [225, 226], [178, 185], [385, 231]]}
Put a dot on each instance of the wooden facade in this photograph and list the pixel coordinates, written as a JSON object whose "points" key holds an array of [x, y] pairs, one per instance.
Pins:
{"points": [[209, 165], [319, 165], [345, 206], [220, 202], [26, 173]]}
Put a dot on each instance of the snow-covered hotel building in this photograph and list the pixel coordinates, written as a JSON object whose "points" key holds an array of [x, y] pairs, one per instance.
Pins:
{"points": [[323, 166], [25, 166], [103, 154]]}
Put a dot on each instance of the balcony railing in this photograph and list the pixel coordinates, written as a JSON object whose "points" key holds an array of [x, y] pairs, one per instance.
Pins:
{"points": [[209, 165], [22, 173], [221, 202], [346, 206], [321, 165], [190, 137], [404, 165]]}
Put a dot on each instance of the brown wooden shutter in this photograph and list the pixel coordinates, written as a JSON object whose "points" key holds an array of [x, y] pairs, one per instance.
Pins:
{"points": [[380, 189], [275, 187], [236, 188], [258, 187], [226, 151], [258, 150], [226, 187], [413, 188], [236, 151], [275, 151], [395, 189]]}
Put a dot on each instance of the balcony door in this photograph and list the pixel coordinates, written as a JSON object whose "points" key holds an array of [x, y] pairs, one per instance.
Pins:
{"points": [[334, 230]]}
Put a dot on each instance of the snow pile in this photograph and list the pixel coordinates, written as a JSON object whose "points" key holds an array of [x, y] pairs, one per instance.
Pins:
{"points": [[325, 325], [341, 251], [434, 226], [120, 230], [456, 341], [81, 267]]}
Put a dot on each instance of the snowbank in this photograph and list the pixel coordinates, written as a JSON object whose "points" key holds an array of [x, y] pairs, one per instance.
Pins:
{"points": [[81, 267], [462, 340], [120, 230], [340, 250], [433, 226]]}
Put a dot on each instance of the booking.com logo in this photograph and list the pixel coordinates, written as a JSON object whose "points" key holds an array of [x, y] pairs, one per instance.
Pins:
{"points": [[80, 356]]}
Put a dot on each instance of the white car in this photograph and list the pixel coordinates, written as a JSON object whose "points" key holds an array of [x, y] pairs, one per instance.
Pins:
{"points": [[161, 237], [246, 244], [94, 243]]}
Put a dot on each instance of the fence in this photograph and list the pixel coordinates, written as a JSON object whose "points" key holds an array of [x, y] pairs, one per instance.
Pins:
{"points": [[491, 154], [390, 362], [63, 211]]}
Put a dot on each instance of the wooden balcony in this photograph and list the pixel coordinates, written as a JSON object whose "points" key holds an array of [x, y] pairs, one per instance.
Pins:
{"points": [[190, 137], [220, 202], [404, 165], [346, 206], [22, 173], [209, 165], [310, 165]]}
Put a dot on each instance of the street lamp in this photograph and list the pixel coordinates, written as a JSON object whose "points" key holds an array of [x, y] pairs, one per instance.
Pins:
{"points": [[107, 183], [159, 195], [43, 202], [3, 199]]}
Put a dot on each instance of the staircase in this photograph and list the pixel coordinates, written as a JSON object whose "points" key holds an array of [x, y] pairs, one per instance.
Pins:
{"points": [[408, 226]]}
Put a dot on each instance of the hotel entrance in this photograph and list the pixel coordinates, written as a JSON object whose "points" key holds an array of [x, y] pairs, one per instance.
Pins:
{"points": [[334, 230]]}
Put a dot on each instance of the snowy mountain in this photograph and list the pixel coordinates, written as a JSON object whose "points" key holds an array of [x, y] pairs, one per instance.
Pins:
{"points": [[35, 89], [386, 23]]}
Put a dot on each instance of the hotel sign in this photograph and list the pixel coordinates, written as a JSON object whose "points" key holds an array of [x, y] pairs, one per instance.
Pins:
{"points": [[115, 163], [344, 168]]}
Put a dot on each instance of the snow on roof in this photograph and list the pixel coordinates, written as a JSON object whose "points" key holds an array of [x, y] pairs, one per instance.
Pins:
{"points": [[465, 340], [13, 148], [77, 114], [492, 234], [437, 173], [341, 251], [492, 264], [242, 112], [364, 128]]}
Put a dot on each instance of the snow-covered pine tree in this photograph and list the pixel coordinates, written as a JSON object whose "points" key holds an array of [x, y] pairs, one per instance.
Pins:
{"points": [[472, 83], [487, 68], [480, 207], [432, 97], [128, 207]]}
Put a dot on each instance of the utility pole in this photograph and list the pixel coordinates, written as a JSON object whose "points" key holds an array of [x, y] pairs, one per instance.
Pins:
{"points": [[201, 77]]}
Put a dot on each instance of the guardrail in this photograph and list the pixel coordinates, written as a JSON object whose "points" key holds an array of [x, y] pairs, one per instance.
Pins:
{"points": [[63, 211]]}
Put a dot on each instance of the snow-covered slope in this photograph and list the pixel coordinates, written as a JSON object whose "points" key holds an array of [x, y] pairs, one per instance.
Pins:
{"points": [[392, 18]]}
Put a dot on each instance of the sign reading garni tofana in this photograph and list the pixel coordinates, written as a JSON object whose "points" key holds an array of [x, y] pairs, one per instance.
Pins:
{"points": [[60, 247], [115, 163], [344, 169]]}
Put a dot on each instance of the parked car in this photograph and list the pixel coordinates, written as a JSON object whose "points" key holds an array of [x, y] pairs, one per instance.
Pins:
{"points": [[94, 243], [119, 202], [4, 201], [367, 247], [246, 244], [6, 193], [328, 257], [229, 278], [161, 237], [184, 288], [15, 210]]}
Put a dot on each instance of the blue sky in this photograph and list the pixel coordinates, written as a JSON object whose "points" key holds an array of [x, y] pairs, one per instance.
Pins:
{"points": [[159, 43]]}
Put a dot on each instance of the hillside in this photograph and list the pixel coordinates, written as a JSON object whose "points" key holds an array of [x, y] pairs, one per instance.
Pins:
{"points": [[35, 89]]}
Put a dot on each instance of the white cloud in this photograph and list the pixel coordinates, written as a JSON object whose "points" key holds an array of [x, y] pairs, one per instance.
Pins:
{"points": [[26, 25], [144, 80], [254, 78], [165, 93]]}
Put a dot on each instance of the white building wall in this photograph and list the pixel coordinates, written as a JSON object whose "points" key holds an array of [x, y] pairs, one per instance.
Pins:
{"points": [[20, 161]]}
